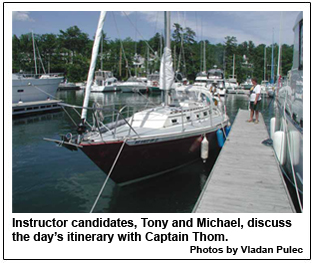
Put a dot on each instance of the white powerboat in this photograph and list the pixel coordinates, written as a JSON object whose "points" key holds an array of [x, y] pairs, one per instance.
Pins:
{"points": [[133, 84], [201, 79], [104, 81], [216, 76], [247, 84]]}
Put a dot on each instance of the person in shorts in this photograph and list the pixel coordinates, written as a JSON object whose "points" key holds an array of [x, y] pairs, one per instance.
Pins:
{"points": [[254, 100]]}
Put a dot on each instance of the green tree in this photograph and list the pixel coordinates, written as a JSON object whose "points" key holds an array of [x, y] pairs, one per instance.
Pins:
{"points": [[73, 40], [230, 50]]}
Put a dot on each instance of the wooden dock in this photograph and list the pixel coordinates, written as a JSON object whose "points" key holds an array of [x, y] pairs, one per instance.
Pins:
{"points": [[35, 107], [246, 177]]}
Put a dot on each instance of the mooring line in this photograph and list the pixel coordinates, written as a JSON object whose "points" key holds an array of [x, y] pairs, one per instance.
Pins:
{"points": [[110, 172]]}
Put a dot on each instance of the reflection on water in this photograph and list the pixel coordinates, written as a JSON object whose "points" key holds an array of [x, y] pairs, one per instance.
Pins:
{"points": [[48, 178]]}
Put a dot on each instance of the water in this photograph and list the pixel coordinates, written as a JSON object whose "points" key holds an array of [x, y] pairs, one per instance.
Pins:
{"points": [[48, 178]]}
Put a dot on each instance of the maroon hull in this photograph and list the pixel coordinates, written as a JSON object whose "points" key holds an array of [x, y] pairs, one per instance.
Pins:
{"points": [[142, 160]]}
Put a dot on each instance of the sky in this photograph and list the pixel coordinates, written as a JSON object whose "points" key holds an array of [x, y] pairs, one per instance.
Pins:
{"points": [[256, 26]]}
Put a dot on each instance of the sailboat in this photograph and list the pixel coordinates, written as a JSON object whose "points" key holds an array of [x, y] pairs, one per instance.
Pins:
{"points": [[286, 128], [155, 140], [34, 87], [232, 78]]}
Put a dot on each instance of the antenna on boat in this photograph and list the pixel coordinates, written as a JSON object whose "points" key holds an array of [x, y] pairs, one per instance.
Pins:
{"points": [[95, 51], [166, 71]]}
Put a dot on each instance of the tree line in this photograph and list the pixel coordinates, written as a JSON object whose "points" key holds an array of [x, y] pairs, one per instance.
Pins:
{"points": [[69, 52]]}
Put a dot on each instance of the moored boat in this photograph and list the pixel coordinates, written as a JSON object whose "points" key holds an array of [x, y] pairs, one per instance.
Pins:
{"points": [[133, 84], [31, 88], [153, 140], [201, 79], [286, 128], [35, 87], [247, 84], [104, 81], [153, 82], [216, 76]]}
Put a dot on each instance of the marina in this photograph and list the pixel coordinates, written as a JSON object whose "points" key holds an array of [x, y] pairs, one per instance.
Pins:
{"points": [[246, 177], [71, 186]]}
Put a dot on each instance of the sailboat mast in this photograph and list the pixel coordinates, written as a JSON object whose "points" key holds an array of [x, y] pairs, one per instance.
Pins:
{"points": [[102, 40], [279, 49], [233, 72], [35, 59], [120, 57], [167, 45], [272, 62], [95, 51], [264, 63], [204, 56]]}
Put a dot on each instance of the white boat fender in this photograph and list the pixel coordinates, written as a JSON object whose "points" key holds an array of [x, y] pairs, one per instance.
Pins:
{"points": [[279, 145], [272, 126], [294, 141], [204, 149], [220, 138]]}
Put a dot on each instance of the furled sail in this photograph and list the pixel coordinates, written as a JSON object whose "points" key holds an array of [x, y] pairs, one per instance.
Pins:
{"points": [[166, 70], [95, 52]]}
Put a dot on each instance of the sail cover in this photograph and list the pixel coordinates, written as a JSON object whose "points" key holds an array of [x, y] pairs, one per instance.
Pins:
{"points": [[166, 71]]}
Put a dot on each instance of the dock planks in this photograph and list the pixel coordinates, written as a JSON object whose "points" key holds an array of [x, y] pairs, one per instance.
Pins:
{"points": [[246, 176]]}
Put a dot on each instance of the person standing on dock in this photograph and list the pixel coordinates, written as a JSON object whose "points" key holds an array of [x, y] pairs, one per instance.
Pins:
{"points": [[254, 99]]}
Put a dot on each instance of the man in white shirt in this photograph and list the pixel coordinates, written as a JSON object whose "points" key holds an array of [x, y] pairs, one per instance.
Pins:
{"points": [[254, 99]]}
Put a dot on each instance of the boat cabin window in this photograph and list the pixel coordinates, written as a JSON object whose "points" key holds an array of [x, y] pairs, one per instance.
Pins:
{"points": [[153, 77], [301, 45], [220, 84], [215, 74], [98, 74], [181, 96]]}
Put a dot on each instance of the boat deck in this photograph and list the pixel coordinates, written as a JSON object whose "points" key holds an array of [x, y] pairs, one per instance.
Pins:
{"points": [[35, 107], [246, 177]]}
